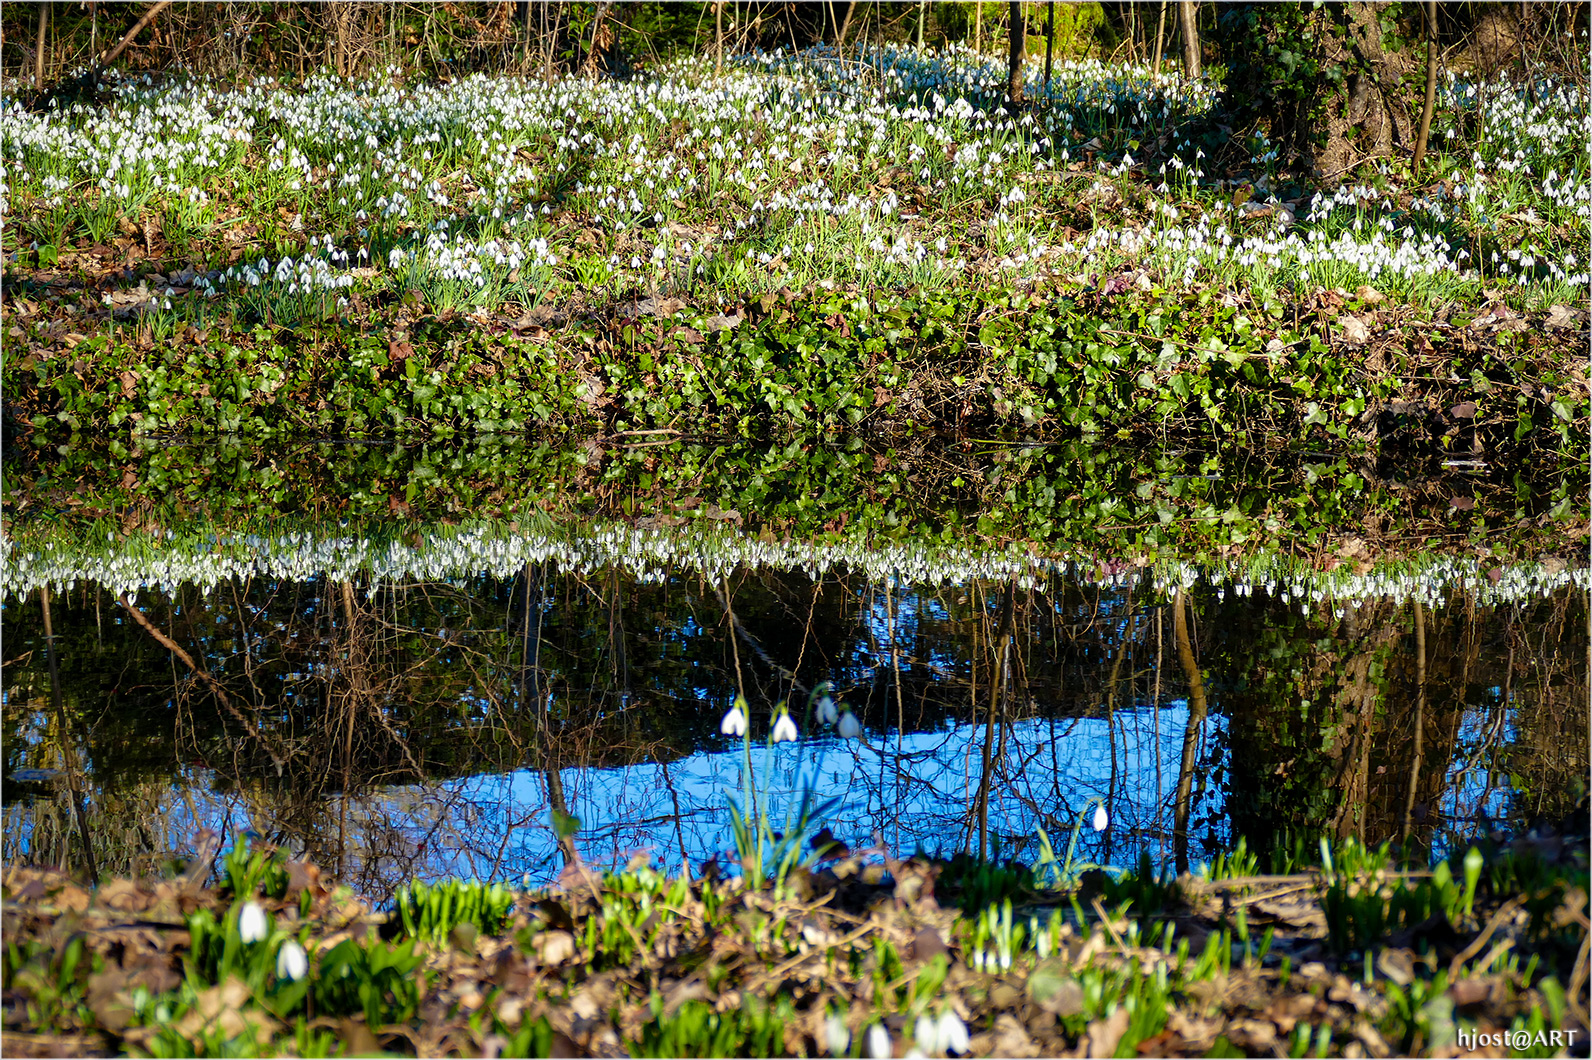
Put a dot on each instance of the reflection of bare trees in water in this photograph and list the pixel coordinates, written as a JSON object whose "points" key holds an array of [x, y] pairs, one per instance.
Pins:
{"points": [[379, 701]]}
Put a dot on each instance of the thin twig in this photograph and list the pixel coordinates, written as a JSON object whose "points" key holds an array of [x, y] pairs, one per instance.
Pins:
{"points": [[1479, 941], [204, 675]]}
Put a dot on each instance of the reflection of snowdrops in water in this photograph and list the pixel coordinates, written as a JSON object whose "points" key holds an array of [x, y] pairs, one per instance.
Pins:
{"points": [[205, 559]]}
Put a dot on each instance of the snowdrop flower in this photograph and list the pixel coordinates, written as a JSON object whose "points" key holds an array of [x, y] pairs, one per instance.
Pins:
{"points": [[291, 961], [849, 728], [784, 729], [1101, 818], [952, 1033], [827, 714], [879, 1042], [836, 1036], [734, 723], [252, 923], [926, 1033]]}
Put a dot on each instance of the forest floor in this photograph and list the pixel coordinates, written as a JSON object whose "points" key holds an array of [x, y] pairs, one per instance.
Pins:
{"points": [[854, 954]]}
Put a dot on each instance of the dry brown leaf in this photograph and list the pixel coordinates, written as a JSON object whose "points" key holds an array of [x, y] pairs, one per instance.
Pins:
{"points": [[554, 947], [1104, 1034], [221, 1010], [1010, 1039]]}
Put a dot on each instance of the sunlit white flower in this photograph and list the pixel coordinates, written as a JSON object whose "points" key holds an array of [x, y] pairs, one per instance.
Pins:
{"points": [[952, 1033], [879, 1042], [734, 723], [253, 926], [784, 729], [836, 1036], [291, 961], [1101, 818]]}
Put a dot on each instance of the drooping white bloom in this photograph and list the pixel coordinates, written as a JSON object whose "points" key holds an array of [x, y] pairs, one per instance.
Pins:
{"points": [[926, 1033], [734, 723], [879, 1042], [836, 1035], [827, 714], [952, 1035], [784, 729], [1101, 818], [252, 923], [291, 961], [849, 728]]}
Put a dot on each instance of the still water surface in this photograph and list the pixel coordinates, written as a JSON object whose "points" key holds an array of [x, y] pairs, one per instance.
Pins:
{"points": [[419, 704]]}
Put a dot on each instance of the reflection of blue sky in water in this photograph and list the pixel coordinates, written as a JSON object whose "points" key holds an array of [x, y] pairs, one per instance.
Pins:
{"points": [[911, 792], [1477, 787], [918, 791]]}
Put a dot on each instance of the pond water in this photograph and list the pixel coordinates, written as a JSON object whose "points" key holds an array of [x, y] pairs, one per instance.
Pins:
{"points": [[423, 699]]}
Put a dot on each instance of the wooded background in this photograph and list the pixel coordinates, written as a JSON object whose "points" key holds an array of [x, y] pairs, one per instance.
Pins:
{"points": [[357, 37]]}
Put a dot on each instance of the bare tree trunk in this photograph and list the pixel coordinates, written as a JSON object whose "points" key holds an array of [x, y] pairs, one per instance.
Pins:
{"points": [[1420, 711], [1050, 39], [550, 14], [38, 51], [1017, 52], [1187, 11], [1160, 36], [1001, 656], [68, 739], [923, 16], [1191, 733], [718, 40], [340, 14], [845, 23], [1431, 88]]}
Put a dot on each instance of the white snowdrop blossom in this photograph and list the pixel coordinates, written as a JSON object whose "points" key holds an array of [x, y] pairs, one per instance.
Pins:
{"points": [[253, 926], [291, 961], [952, 1034]]}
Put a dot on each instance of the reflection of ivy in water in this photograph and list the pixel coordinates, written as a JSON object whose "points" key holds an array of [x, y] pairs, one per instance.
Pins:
{"points": [[1085, 497]]}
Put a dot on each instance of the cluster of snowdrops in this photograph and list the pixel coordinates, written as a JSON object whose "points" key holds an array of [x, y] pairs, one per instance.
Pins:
{"points": [[893, 166]]}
